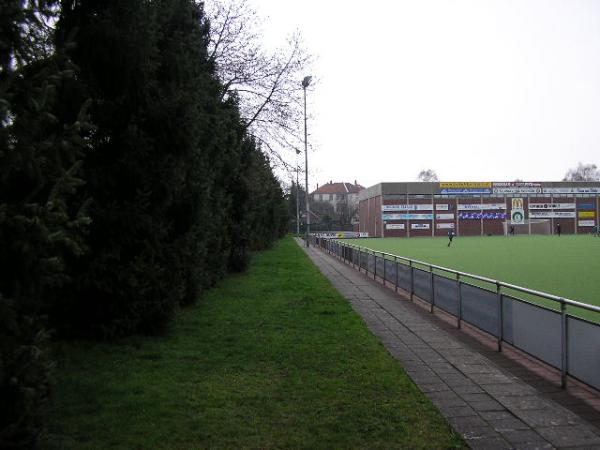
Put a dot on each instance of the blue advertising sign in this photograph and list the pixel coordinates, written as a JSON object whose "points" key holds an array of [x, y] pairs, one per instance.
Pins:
{"points": [[586, 206], [466, 191], [479, 215]]}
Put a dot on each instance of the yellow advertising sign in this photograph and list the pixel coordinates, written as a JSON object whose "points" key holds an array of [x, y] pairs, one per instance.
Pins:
{"points": [[587, 214], [465, 184], [517, 203]]}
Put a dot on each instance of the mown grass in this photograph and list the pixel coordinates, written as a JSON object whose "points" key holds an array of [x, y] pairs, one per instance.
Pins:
{"points": [[274, 358], [567, 266]]}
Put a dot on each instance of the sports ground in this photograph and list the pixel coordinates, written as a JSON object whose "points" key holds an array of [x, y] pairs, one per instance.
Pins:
{"points": [[567, 266]]}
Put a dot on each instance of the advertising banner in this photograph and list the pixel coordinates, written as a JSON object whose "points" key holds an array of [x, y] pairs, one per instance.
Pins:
{"points": [[586, 214], [442, 207], [465, 191], [444, 226], [342, 234], [465, 184], [517, 190], [407, 216], [469, 206], [552, 214], [419, 226], [573, 190], [517, 203], [449, 216], [394, 226], [346, 234], [587, 223], [482, 215], [480, 206], [426, 207], [552, 206], [517, 184], [586, 206]]}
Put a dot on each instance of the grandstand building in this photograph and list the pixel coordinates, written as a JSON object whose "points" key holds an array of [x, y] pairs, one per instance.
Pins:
{"points": [[478, 208]]}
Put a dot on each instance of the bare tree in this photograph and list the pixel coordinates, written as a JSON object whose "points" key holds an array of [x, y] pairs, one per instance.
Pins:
{"points": [[428, 175], [267, 84], [583, 172]]}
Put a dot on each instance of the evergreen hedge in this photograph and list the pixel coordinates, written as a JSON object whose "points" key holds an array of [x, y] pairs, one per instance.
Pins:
{"points": [[127, 185]]}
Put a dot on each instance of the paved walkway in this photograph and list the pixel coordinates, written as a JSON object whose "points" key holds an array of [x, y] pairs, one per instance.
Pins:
{"points": [[487, 398]]}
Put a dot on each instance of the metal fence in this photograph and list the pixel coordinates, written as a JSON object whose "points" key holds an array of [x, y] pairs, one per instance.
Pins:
{"points": [[570, 344]]}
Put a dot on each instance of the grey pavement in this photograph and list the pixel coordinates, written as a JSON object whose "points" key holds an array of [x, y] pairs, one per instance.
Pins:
{"points": [[487, 399]]}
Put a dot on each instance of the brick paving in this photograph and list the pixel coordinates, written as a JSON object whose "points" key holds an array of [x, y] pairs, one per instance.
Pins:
{"points": [[495, 400]]}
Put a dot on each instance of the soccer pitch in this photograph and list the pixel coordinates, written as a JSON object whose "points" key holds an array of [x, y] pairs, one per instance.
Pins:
{"points": [[567, 266]]}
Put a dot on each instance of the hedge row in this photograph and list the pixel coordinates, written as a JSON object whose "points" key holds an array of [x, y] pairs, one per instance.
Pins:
{"points": [[127, 185]]}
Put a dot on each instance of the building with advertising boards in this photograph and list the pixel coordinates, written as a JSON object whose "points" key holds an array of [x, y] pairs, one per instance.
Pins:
{"points": [[478, 208]]}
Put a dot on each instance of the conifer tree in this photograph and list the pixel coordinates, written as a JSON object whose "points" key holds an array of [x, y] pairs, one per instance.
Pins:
{"points": [[166, 167], [41, 220], [122, 283]]}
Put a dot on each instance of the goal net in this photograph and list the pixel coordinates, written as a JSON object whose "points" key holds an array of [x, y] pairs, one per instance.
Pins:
{"points": [[529, 226]]}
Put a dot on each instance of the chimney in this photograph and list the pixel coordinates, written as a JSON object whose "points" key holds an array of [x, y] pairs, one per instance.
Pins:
{"points": [[330, 182], [355, 183]]}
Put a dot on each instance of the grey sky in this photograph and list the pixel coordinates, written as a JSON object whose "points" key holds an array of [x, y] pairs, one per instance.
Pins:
{"points": [[476, 90]]}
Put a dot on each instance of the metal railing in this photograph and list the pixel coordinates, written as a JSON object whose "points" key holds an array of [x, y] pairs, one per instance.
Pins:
{"points": [[567, 342]]}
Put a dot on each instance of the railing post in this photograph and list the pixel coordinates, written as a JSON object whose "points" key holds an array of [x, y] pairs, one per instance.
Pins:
{"points": [[500, 315], [383, 256], [396, 263], [459, 294], [412, 280], [432, 289], [375, 266], [564, 344], [359, 260]]}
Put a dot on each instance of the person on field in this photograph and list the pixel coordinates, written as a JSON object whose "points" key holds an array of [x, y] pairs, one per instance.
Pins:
{"points": [[558, 229], [512, 230], [450, 236]]}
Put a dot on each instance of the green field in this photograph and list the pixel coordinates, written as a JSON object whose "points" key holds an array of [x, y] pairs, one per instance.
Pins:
{"points": [[568, 266]]}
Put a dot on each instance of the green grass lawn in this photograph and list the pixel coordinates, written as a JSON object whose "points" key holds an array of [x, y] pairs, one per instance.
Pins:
{"points": [[274, 358], [567, 266]]}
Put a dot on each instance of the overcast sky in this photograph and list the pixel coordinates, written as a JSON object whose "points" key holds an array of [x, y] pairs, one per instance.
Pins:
{"points": [[476, 90]]}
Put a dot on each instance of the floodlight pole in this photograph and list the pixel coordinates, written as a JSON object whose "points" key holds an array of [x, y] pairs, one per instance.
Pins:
{"points": [[305, 83], [297, 198]]}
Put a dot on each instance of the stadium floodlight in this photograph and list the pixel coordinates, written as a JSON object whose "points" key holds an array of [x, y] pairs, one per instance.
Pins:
{"points": [[297, 196], [305, 83]]}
